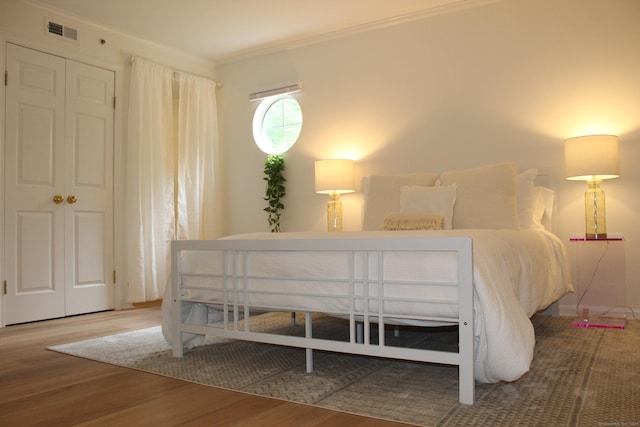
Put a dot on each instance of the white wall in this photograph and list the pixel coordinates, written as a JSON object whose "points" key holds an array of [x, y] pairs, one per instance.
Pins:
{"points": [[507, 81], [24, 24]]}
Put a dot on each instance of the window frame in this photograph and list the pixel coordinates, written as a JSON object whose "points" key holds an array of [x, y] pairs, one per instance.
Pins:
{"points": [[259, 136]]}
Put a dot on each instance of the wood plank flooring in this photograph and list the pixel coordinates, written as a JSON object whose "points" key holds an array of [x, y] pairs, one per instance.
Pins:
{"points": [[44, 388]]}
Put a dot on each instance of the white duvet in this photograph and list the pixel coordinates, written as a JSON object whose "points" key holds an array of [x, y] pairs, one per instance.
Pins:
{"points": [[516, 274]]}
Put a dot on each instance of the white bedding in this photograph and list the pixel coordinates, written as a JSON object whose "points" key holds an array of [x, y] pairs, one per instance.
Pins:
{"points": [[516, 273]]}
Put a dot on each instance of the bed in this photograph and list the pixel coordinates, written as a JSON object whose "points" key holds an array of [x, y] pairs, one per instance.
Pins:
{"points": [[487, 274]]}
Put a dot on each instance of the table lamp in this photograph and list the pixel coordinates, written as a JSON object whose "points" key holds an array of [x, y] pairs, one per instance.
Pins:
{"points": [[592, 158], [334, 177]]}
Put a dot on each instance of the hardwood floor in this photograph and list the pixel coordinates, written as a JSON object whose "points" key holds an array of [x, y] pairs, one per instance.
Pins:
{"points": [[39, 387]]}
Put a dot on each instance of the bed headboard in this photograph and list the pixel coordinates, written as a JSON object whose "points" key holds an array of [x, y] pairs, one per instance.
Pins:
{"points": [[532, 196]]}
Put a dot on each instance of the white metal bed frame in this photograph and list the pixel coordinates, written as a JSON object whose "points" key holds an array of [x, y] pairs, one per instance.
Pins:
{"points": [[235, 304]]}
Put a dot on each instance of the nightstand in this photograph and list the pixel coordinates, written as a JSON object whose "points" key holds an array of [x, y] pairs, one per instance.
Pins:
{"points": [[600, 282]]}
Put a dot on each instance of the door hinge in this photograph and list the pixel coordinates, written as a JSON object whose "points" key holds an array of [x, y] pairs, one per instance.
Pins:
{"points": [[114, 102], [114, 277], [6, 78], [4, 288]]}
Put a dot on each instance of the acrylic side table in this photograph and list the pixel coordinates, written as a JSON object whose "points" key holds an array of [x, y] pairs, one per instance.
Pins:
{"points": [[600, 282]]}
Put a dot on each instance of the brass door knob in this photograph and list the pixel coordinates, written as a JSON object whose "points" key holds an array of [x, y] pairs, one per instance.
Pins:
{"points": [[57, 199], [72, 199]]}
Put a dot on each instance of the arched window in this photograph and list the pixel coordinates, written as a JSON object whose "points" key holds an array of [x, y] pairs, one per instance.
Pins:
{"points": [[277, 124]]}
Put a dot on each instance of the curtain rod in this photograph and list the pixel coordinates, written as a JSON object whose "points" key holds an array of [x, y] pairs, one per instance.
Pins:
{"points": [[293, 88], [176, 72]]}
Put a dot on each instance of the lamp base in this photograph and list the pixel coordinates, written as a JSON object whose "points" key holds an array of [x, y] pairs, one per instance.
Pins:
{"points": [[334, 213], [594, 209]]}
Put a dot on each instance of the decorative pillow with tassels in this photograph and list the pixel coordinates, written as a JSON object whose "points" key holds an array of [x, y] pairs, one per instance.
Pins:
{"points": [[402, 221]]}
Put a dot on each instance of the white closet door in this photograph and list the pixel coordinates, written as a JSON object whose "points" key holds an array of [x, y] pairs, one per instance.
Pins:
{"points": [[59, 143], [34, 174], [89, 179]]}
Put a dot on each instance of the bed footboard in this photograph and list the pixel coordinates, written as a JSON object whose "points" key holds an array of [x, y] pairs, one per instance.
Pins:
{"points": [[369, 284]]}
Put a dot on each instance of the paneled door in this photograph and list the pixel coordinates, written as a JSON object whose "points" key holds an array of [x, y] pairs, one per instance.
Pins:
{"points": [[58, 187]]}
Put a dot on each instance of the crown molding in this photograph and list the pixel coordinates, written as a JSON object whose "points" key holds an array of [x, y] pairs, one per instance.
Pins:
{"points": [[444, 7]]}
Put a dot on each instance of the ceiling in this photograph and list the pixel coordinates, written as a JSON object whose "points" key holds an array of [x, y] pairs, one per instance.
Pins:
{"points": [[223, 29]]}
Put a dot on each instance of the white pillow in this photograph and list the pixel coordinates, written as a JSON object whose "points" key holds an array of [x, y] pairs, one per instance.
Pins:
{"points": [[437, 200], [544, 207], [526, 198], [382, 196], [486, 197]]}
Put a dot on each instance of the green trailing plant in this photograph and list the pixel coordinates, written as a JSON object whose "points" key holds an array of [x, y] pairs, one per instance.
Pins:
{"points": [[273, 170]]}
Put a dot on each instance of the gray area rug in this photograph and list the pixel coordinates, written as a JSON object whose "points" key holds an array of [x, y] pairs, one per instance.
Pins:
{"points": [[579, 376]]}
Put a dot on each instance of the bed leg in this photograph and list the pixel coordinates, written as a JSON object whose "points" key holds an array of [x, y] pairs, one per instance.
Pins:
{"points": [[293, 318], [308, 334], [178, 346], [466, 372], [177, 351], [359, 332], [396, 331]]}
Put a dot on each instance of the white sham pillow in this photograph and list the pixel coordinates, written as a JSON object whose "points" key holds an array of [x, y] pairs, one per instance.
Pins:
{"points": [[486, 197], [527, 198], [544, 207], [438, 200], [382, 195]]}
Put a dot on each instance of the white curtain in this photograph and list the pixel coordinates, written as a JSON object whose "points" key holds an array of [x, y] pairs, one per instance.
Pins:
{"points": [[198, 192], [150, 202]]}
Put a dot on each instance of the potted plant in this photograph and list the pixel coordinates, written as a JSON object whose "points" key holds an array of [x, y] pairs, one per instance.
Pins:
{"points": [[273, 170]]}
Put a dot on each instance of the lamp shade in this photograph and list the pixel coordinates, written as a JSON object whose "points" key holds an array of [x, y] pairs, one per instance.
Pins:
{"points": [[334, 176], [591, 158]]}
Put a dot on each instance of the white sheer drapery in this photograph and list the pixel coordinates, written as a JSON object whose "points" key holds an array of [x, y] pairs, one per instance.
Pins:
{"points": [[149, 212], [198, 190], [150, 202]]}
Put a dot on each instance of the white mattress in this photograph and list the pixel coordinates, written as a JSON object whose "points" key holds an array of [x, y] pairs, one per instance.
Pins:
{"points": [[516, 273]]}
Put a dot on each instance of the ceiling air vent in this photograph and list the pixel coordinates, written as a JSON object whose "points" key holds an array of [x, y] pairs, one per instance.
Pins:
{"points": [[62, 31]]}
